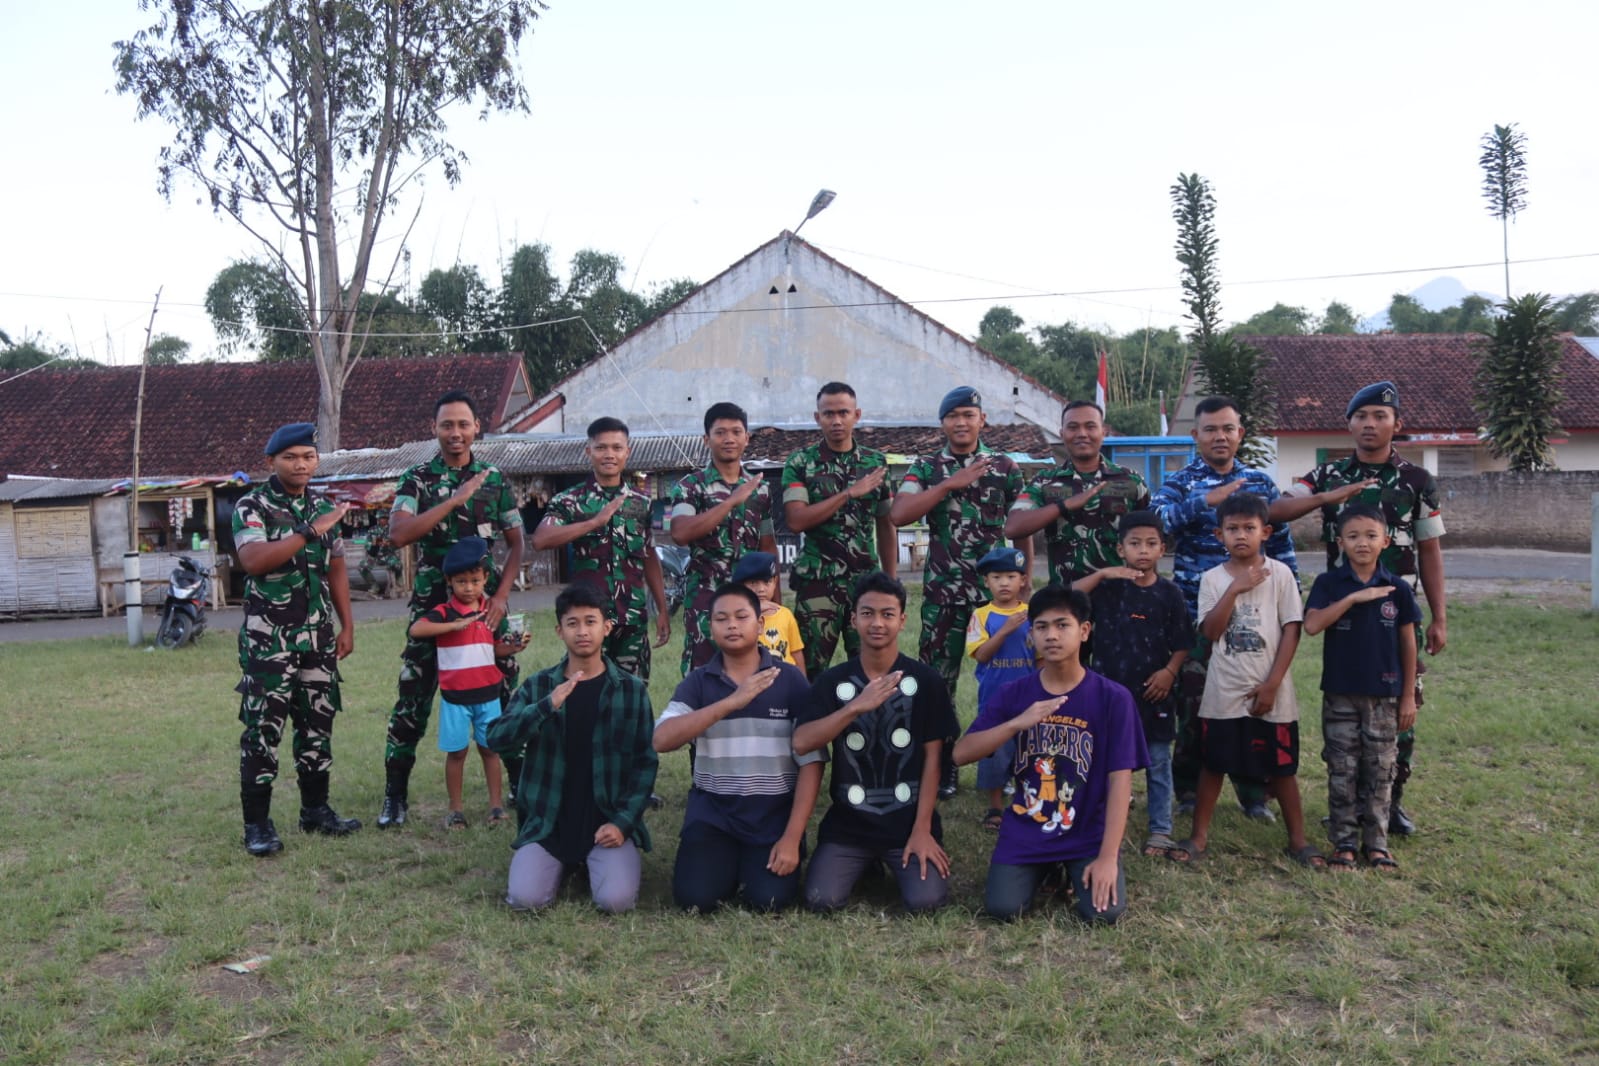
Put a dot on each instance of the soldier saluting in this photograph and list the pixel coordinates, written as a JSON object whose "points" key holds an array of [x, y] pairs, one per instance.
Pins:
{"points": [[295, 584]]}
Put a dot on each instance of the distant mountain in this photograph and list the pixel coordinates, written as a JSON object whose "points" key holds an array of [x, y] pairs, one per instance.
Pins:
{"points": [[1435, 295]]}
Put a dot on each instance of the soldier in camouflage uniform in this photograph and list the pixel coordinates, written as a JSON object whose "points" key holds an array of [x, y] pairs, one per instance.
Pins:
{"points": [[1407, 495], [288, 654], [718, 513], [452, 495], [608, 526], [837, 493], [1079, 503]]}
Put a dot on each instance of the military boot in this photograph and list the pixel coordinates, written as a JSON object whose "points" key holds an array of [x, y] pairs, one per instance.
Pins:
{"points": [[397, 776], [315, 814], [1399, 822], [260, 835]]}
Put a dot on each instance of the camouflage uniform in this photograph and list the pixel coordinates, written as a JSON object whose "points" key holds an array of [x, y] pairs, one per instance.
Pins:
{"points": [[962, 528], [1358, 746], [613, 559], [838, 550], [490, 510], [1084, 540], [1407, 495], [711, 558], [286, 644]]}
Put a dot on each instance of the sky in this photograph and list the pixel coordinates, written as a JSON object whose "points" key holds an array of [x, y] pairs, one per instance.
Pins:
{"points": [[982, 154]]}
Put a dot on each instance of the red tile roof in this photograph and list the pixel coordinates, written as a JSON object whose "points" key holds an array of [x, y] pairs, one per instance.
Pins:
{"points": [[214, 418], [1317, 375]]}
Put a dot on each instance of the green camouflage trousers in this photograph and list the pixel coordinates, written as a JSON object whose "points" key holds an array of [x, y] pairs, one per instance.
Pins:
{"points": [[697, 644], [942, 644], [628, 647], [1360, 746], [301, 687], [822, 610]]}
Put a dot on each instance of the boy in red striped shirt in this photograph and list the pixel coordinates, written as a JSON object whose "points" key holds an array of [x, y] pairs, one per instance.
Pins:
{"points": [[469, 680]]}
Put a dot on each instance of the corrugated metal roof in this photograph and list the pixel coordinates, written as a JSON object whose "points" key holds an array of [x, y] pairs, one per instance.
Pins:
{"points": [[520, 456], [54, 488]]}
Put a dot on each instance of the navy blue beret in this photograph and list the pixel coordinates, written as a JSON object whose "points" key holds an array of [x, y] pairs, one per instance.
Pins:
{"points": [[1003, 560], [1378, 393], [293, 435], [755, 566], [962, 396], [465, 554]]}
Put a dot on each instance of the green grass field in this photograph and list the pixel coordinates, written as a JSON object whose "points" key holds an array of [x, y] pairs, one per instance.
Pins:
{"points": [[126, 889]]}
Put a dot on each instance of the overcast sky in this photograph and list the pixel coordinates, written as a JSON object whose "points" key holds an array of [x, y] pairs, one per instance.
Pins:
{"points": [[981, 154]]}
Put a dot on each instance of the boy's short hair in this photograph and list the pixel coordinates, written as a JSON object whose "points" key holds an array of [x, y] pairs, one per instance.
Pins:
{"points": [[1211, 404], [1060, 598], [876, 581], [1140, 520], [582, 595], [455, 396], [607, 424], [1359, 510], [737, 591], [1243, 505], [725, 412], [834, 388]]}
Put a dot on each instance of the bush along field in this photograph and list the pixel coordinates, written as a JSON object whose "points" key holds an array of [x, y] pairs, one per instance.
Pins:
{"points": [[127, 891]]}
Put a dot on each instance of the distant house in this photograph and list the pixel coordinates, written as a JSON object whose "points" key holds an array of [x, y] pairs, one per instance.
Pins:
{"points": [[1316, 375], [212, 419], [767, 333]]}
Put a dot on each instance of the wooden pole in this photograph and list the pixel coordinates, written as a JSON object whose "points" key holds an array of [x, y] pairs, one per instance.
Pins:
{"points": [[134, 590]]}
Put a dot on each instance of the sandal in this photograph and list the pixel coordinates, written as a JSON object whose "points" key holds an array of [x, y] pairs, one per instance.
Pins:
{"points": [[1380, 860], [1186, 852], [1343, 858], [1157, 845], [496, 816], [993, 819], [1307, 857], [456, 820]]}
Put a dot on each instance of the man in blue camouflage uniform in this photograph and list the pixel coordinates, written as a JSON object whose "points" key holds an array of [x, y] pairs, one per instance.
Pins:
{"points": [[452, 495], [1186, 504], [719, 514], [1078, 504], [837, 493], [1407, 496], [608, 526], [295, 584], [964, 493]]}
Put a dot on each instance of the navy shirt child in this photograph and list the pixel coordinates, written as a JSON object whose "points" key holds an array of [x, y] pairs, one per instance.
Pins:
{"points": [[877, 760], [1361, 653], [1062, 767], [1137, 629]]}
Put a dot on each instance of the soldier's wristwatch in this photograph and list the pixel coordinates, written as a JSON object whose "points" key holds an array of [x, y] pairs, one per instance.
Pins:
{"points": [[305, 530]]}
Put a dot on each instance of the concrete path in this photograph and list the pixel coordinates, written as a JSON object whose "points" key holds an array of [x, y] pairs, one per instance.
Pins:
{"points": [[1465, 563]]}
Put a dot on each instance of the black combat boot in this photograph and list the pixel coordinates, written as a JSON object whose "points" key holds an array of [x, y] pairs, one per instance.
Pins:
{"points": [[1399, 822], [398, 775], [260, 835], [315, 814]]}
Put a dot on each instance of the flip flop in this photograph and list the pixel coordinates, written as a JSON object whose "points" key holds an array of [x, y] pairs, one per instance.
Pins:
{"points": [[456, 820], [1191, 854], [1307, 857], [496, 816], [993, 819], [1157, 845]]}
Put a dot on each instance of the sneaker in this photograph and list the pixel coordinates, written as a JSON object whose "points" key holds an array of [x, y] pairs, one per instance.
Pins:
{"points": [[261, 839], [657, 801], [1259, 812], [393, 812], [325, 819]]}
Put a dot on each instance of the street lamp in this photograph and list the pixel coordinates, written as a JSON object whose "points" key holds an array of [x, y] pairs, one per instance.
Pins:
{"points": [[819, 204]]}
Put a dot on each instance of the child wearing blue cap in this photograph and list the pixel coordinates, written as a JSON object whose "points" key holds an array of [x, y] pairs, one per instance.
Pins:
{"points": [[780, 635], [997, 640], [469, 678]]}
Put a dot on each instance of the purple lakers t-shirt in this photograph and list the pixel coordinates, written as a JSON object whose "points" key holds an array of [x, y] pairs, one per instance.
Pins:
{"points": [[1063, 766]]}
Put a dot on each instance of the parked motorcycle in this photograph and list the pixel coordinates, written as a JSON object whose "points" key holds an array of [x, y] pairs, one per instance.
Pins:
{"points": [[674, 569], [183, 613]]}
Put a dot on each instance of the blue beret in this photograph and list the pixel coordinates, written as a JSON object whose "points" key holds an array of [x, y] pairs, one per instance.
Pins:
{"points": [[1003, 560], [963, 396], [293, 435], [465, 554], [755, 566], [1378, 393]]}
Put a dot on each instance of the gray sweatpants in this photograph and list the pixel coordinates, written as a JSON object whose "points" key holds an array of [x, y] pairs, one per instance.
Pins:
{"points": [[613, 877]]}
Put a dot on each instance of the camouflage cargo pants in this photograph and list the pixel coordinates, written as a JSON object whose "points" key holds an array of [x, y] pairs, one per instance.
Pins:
{"points": [[1360, 737], [301, 688], [942, 644], [697, 644], [822, 610], [628, 647], [1185, 751]]}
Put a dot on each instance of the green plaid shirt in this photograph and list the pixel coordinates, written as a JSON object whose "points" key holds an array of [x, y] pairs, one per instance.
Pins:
{"points": [[624, 757]]}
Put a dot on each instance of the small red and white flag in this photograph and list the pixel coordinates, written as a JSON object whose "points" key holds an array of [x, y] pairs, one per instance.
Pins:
{"points": [[1165, 429], [1100, 385]]}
